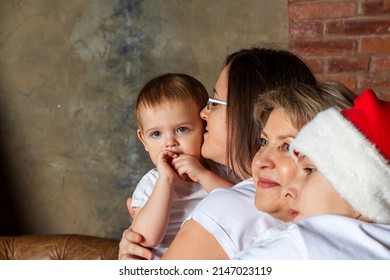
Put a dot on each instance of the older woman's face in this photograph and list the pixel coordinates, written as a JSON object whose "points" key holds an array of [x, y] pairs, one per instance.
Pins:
{"points": [[215, 138], [273, 167]]}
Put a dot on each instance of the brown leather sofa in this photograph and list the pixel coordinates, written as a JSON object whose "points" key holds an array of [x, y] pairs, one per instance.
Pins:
{"points": [[58, 247]]}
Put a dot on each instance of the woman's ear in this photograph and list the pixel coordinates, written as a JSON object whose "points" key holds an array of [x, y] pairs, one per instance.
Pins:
{"points": [[141, 137]]}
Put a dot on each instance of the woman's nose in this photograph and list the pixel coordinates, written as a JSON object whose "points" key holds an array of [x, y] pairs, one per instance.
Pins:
{"points": [[263, 158], [204, 114]]}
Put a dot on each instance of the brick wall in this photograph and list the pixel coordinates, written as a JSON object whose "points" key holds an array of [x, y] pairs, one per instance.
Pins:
{"points": [[348, 41]]}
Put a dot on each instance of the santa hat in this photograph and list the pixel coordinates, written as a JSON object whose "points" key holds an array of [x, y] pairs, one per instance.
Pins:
{"points": [[351, 149]]}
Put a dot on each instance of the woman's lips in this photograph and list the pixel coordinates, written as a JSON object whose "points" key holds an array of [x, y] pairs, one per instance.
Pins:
{"points": [[266, 183], [206, 132]]}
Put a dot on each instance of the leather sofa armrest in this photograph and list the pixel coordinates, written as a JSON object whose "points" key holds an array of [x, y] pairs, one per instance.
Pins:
{"points": [[58, 247]]}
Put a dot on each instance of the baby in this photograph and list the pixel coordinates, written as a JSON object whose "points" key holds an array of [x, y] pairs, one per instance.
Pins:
{"points": [[171, 130]]}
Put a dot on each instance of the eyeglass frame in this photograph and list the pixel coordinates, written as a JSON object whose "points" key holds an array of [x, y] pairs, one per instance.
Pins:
{"points": [[212, 100]]}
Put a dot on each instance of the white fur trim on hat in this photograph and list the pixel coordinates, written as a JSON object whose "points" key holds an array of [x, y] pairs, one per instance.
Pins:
{"points": [[349, 161]]}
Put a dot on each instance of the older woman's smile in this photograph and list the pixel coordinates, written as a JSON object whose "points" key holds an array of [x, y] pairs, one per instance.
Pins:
{"points": [[265, 183]]}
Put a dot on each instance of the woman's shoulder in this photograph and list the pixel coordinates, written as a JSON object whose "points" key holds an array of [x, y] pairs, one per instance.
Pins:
{"points": [[244, 190], [222, 200]]}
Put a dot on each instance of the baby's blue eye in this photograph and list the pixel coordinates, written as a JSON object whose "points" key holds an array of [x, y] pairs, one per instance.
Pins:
{"points": [[182, 129], [155, 134]]}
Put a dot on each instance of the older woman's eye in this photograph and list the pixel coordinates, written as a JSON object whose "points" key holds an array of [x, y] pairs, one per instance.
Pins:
{"points": [[286, 147]]}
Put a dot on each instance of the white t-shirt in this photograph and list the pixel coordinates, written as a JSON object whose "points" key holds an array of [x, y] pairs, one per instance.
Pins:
{"points": [[322, 237], [185, 197], [232, 218]]}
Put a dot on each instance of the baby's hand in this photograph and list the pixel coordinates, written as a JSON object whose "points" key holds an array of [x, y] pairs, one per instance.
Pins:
{"points": [[165, 167], [188, 166]]}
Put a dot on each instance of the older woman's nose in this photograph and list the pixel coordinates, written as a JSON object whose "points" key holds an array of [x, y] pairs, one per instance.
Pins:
{"points": [[263, 158]]}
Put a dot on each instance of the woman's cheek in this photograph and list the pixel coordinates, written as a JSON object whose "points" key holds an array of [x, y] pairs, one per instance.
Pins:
{"points": [[288, 169]]}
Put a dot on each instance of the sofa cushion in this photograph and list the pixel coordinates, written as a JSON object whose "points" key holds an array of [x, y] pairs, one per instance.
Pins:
{"points": [[58, 247]]}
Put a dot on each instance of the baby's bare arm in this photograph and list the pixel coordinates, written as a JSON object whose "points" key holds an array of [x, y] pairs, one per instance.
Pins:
{"points": [[152, 219], [191, 167]]}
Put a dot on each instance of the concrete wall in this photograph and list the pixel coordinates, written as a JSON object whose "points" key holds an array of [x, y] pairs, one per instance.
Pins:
{"points": [[69, 75]]}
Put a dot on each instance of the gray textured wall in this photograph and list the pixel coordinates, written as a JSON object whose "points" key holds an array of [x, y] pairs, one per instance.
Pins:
{"points": [[69, 74]]}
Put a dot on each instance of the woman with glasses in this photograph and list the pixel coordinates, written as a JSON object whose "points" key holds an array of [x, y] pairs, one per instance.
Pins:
{"points": [[231, 141]]}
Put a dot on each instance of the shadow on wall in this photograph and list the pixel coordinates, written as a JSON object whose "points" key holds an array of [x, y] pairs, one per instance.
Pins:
{"points": [[10, 218]]}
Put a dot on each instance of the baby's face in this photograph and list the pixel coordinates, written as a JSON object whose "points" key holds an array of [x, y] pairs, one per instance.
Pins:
{"points": [[312, 194], [171, 126]]}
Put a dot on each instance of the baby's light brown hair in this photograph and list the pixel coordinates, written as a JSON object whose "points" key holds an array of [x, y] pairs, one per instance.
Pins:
{"points": [[171, 87]]}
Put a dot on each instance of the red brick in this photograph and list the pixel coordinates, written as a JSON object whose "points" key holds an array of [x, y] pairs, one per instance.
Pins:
{"points": [[375, 8], [361, 58], [358, 27], [292, 1], [305, 29], [315, 65], [350, 64], [325, 10], [374, 45], [323, 47], [375, 80], [383, 93], [380, 63], [348, 80]]}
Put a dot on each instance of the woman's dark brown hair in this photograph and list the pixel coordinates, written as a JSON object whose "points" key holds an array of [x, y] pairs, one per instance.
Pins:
{"points": [[252, 71]]}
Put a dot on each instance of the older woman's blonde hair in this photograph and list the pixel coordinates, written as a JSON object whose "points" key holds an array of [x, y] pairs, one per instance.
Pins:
{"points": [[301, 103]]}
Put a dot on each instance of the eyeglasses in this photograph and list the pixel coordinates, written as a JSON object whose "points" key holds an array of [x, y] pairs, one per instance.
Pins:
{"points": [[215, 102]]}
